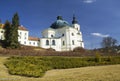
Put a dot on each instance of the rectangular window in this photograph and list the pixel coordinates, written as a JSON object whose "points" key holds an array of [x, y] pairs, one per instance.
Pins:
{"points": [[34, 43], [19, 37], [25, 33], [25, 37], [29, 42], [24, 42]]}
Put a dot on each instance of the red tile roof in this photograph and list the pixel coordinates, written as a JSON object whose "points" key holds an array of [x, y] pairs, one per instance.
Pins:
{"points": [[19, 28], [22, 28], [33, 38], [1, 26]]}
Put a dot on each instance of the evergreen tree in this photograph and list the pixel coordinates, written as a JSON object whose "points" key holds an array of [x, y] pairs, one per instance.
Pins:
{"points": [[7, 33], [14, 32], [0, 23], [11, 33]]}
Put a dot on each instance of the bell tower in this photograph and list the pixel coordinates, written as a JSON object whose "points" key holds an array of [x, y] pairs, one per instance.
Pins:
{"points": [[75, 23]]}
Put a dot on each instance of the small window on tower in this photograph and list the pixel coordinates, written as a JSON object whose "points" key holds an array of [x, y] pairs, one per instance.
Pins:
{"points": [[51, 35], [72, 34], [77, 28], [73, 42]]}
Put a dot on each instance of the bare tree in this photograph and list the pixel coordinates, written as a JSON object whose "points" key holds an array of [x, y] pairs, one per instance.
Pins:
{"points": [[108, 42]]}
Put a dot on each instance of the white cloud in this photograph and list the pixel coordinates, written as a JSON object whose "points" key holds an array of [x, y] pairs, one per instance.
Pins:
{"points": [[99, 35], [89, 1]]}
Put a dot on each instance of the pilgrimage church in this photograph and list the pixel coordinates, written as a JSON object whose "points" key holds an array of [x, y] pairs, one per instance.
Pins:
{"points": [[60, 36]]}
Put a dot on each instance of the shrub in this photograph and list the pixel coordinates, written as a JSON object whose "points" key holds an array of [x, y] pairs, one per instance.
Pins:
{"points": [[97, 57], [79, 49], [36, 66], [51, 49]]}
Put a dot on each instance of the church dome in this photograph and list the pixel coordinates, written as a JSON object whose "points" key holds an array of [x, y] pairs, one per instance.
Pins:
{"points": [[59, 23]]}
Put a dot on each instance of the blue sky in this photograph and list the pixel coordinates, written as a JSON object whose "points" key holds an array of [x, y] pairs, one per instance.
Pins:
{"points": [[98, 18]]}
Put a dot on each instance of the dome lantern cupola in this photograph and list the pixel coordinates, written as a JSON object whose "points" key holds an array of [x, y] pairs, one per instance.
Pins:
{"points": [[74, 20], [59, 18]]}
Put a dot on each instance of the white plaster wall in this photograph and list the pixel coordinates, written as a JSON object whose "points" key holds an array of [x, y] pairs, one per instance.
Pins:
{"points": [[48, 32], [23, 37], [33, 43], [76, 26], [2, 34]]}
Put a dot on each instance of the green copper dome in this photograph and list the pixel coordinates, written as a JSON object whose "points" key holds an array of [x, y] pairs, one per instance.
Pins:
{"points": [[59, 23]]}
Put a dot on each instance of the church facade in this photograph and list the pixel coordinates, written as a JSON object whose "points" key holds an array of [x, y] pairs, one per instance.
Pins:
{"points": [[60, 36]]}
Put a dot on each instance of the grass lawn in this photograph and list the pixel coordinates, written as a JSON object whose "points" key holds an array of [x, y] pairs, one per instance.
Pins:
{"points": [[94, 73]]}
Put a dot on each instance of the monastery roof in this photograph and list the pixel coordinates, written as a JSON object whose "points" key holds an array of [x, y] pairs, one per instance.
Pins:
{"points": [[33, 38], [22, 28], [19, 28]]}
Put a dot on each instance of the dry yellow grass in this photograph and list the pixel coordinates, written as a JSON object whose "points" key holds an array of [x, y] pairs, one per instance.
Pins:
{"points": [[97, 73]]}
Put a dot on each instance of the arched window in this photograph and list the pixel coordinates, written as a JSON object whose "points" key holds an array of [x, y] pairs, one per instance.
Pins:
{"points": [[47, 42], [63, 43], [53, 42]]}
